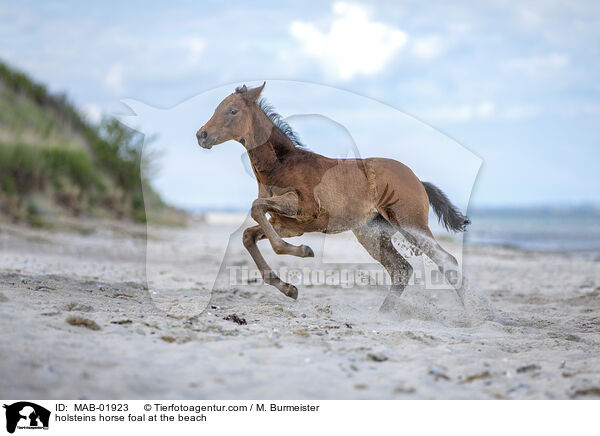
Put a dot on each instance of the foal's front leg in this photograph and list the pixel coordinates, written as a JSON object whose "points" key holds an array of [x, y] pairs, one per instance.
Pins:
{"points": [[285, 205], [251, 235]]}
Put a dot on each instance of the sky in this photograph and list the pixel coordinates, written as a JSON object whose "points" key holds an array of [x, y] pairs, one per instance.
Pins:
{"points": [[514, 83]]}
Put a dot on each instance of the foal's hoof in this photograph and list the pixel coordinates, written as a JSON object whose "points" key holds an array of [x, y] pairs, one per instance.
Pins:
{"points": [[307, 251], [291, 291]]}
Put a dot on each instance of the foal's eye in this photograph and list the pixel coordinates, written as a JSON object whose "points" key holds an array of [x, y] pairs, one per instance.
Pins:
{"points": [[233, 111]]}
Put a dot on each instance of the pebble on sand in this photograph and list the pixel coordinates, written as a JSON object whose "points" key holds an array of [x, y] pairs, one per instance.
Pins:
{"points": [[83, 322], [233, 317], [529, 368], [377, 357]]}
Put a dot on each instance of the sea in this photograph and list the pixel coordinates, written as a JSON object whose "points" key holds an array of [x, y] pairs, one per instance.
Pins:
{"points": [[575, 231]]}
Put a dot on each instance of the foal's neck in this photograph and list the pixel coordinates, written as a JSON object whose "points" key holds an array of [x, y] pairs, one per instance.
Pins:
{"points": [[267, 145]]}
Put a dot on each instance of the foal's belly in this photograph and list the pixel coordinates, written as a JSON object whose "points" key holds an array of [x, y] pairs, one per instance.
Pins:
{"points": [[345, 197]]}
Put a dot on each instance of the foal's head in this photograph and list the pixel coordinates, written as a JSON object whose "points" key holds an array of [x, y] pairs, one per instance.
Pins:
{"points": [[232, 119]]}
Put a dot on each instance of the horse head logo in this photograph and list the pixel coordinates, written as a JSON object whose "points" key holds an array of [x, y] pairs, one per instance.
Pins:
{"points": [[27, 415]]}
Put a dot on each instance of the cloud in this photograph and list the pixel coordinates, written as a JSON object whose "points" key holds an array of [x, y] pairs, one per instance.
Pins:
{"points": [[538, 65], [485, 109], [194, 47], [354, 45], [460, 113], [520, 111], [114, 79], [428, 47], [527, 15]]}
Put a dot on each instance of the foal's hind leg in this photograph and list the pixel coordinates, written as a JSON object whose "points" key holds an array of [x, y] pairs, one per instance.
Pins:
{"points": [[446, 263], [251, 235], [412, 223], [376, 237], [476, 306]]}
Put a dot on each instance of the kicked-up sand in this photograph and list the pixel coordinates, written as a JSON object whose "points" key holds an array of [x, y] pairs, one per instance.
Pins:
{"points": [[94, 314]]}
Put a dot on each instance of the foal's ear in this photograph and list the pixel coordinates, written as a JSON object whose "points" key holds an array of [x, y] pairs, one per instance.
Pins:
{"points": [[253, 94]]}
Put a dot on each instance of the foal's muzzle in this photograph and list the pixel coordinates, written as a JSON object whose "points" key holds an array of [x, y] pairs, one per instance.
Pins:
{"points": [[205, 140]]}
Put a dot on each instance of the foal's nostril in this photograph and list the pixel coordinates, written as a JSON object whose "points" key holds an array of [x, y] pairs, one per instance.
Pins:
{"points": [[203, 134]]}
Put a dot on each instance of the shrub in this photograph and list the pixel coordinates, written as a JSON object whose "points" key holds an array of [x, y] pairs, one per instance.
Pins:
{"points": [[112, 159]]}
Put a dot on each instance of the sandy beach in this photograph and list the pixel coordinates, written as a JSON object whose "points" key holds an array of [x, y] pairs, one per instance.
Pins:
{"points": [[99, 314]]}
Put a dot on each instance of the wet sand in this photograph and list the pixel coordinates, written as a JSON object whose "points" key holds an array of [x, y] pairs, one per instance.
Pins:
{"points": [[95, 315]]}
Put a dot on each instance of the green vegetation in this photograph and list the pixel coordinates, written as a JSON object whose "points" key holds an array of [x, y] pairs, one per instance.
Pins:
{"points": [[53, 162]]}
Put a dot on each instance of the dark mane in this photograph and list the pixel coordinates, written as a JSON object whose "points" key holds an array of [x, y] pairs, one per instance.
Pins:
{"points": [[269, 111], [288, 131]]}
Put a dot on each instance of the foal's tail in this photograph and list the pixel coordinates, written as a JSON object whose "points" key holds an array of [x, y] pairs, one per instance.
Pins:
{"points": [[448, 214]]}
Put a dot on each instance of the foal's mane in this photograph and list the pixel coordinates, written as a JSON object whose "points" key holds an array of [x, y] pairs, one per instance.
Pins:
{"points": [[276, 119]]}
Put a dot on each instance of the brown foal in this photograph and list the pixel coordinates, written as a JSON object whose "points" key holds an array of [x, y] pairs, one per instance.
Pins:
{"points": [[305, 192]]}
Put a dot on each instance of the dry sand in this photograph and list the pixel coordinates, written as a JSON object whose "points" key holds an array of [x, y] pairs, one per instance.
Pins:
{"points": [[57, 288]]}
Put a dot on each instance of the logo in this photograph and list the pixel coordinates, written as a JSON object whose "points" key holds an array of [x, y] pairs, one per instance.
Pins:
{"points": [[26, 415]]}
